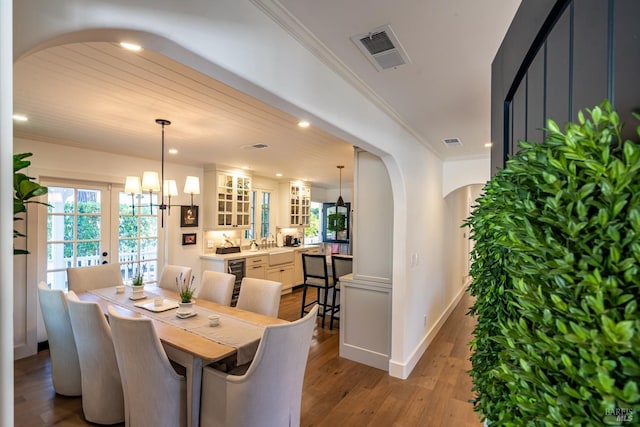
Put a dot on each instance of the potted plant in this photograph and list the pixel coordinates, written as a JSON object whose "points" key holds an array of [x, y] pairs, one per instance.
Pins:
{"points": [[24, 189], [185, 290], [137, 284], [556, 280]]}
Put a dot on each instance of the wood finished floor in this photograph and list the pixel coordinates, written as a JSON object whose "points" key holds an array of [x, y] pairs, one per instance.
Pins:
{"points": [[337, 392]]}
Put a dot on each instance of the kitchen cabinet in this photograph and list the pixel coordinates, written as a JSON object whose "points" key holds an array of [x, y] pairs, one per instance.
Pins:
{"points": [[296, 209], [257, 267], [282, 273], [227, 200]]}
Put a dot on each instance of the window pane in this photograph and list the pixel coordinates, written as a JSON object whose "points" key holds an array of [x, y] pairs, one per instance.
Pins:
{"points": [[149, 270], [88, 227], [57, 279], [59, 198], [148, 226], [59, 255], [88, 253], [128, 226], [88, 201]]}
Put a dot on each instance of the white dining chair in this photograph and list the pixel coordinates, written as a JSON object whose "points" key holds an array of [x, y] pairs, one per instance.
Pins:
{"points": [[81, 279], [102, 398], [154, 393], [270, 392], [217, 287], [260, 296], [65, 368], [172, 272]]}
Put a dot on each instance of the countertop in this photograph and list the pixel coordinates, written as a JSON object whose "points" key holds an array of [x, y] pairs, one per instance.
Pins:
{"points": [[249, 253]]}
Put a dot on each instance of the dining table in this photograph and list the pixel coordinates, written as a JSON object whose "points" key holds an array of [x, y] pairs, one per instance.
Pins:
{"points": [[190, 342]]}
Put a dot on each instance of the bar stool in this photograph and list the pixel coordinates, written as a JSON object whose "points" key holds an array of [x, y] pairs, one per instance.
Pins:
{"points": [[316, 276]]}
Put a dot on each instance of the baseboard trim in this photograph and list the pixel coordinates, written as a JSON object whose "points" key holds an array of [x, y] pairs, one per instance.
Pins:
{"points": [[403, 370]]}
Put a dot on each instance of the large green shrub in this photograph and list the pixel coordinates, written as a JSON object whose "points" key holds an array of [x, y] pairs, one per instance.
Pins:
{"points": [[556, 272]]}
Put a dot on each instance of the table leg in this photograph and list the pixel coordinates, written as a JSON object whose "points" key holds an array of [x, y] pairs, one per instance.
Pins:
{"points": [[193, 366]]}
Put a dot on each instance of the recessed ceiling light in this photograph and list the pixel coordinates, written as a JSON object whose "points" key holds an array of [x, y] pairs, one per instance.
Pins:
{"points": [[20, 118], [303, 124], [488, 144], [278, 174], [131, 46], [173, 151]]}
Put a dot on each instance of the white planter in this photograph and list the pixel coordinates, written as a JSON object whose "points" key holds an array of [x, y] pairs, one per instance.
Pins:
{"points": [[137, 290], [185, 307]]}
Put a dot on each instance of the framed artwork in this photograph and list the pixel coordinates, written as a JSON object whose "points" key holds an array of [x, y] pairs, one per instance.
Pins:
{"points": [[188, 239], [188, 216]]}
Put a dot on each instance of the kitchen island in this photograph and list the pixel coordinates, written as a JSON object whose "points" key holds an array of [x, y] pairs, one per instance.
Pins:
{"points": [[281, 264]]}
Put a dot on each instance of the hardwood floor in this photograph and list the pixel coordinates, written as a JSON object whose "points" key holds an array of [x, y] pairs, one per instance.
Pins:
{"points": [[337, 392]]}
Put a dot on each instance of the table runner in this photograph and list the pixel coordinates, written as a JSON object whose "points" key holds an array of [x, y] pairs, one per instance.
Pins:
{"points": [[241, 334]]}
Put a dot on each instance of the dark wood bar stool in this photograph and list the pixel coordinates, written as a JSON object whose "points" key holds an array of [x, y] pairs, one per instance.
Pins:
{"points": [[316, 276]]}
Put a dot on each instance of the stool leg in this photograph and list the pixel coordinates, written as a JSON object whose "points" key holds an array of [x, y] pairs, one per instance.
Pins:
{"points": [[304, 298], [333, 307]]}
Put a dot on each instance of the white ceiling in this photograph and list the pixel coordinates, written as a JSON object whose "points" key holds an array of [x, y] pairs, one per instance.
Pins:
{"points": [[99, 96]]}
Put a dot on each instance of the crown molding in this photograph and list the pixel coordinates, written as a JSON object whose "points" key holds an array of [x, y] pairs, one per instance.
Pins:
{"points": [[280, 15]]}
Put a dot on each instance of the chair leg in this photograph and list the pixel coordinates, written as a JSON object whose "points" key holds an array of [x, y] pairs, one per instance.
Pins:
{"points": [[304, 298], [333, 307], [324, 304]]}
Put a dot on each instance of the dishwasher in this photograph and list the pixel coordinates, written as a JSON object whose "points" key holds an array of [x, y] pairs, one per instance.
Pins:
{"points": [[237, 268]]}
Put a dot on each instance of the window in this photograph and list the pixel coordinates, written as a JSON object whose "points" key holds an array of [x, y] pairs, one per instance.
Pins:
{"points": [[312, 233], [138, 237], [251, 231], [75, 221], [265, 208]]}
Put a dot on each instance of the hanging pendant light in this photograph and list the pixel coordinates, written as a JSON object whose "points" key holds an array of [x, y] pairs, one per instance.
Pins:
{"points": [[151, 183], [340, 202]]}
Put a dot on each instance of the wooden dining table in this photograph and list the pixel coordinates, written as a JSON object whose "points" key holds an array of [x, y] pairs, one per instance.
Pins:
{"points": [[181, 343]]}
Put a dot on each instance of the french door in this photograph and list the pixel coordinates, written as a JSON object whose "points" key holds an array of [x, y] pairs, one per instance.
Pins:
{"points": [[91, 224]]}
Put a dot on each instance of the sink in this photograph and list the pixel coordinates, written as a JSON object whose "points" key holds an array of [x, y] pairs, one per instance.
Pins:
{"points": [[280, 257]]}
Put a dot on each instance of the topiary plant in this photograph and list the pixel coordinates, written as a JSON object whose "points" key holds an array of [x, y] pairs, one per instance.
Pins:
{"points": [[563, 222]]}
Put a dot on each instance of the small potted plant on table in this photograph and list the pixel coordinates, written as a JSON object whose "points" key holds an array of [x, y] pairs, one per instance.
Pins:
{"points": [[137, 285], [185, 290]]}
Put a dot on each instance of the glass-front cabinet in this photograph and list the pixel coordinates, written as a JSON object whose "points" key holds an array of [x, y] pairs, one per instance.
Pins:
{"points": [[230, 205], [298, 205]]}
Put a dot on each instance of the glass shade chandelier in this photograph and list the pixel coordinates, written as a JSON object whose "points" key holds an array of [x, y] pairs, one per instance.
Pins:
{"points": [[151, 183]]}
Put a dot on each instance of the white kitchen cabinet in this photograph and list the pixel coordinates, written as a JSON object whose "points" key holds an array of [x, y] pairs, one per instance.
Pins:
{"points": [[257, 266], [296, 206], [227, 200], [282, 273]]}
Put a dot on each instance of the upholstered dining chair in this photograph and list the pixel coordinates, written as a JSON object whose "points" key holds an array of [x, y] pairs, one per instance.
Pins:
{"points": [[269, 393], [65, 368], [341, 265], [260, 296], [82, 279], [172, 272], [102, 398], [217, 287], [315, 270], [154, 393]]}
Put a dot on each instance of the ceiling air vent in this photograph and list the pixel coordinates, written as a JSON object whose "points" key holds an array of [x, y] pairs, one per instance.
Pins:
{"points": [[255, 146], [452, 142], [382, 48]]}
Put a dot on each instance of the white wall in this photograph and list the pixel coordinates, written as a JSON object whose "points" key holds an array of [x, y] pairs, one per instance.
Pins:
{"points": [[458, 173], [233, 41]]}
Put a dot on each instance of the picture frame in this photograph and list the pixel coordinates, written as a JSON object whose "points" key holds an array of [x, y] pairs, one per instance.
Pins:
{"points": [[189, 239], [188, 216]]}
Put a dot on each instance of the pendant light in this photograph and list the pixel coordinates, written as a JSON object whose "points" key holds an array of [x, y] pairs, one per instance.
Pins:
{"points": [[151, 183], [340, 202]]}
